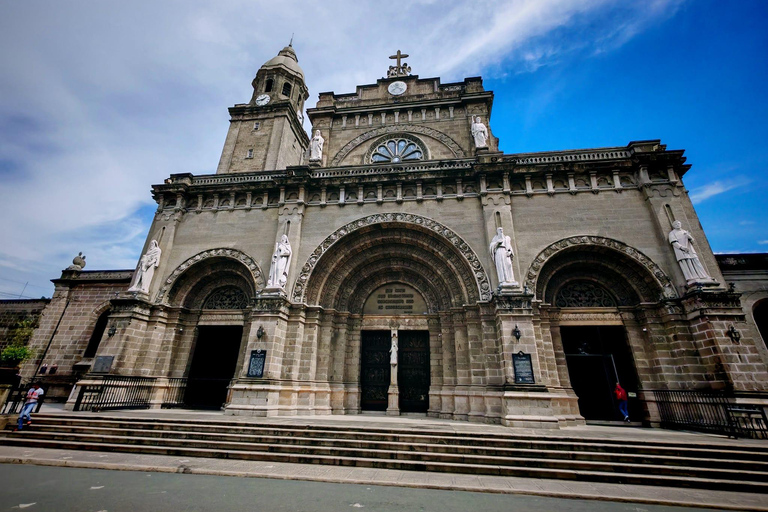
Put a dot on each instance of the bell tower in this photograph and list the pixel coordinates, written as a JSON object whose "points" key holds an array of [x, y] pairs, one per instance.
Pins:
{"points": [[267, 133]]}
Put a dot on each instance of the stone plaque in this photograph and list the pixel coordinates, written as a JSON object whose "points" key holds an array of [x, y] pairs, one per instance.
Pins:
{"points": [[102, 364], [395, 299], [523, 368], [256, 365]]}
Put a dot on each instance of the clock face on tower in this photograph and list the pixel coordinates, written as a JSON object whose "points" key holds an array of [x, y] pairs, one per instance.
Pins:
{"points": [[397, 88], [262, 100]]}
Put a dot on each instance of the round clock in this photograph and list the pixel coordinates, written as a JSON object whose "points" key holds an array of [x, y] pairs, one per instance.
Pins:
{"points": [[262, 100], [397, 88]]}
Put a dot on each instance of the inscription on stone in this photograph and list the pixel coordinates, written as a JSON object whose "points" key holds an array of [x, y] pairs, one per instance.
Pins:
{"points": [[256, 364], [523, 368], [395, 299], [102, 364]]}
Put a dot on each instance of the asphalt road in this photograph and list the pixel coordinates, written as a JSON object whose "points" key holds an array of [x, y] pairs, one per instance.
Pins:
{"points": [[57, 489]]}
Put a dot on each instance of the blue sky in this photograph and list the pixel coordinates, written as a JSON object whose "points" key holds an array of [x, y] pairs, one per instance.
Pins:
{"points": [[100, 100]]}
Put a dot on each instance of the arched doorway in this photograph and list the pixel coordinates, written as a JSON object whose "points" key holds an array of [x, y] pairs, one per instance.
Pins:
{"points": [[396, 303], [596, 291], [210, 302], [400, 258]]}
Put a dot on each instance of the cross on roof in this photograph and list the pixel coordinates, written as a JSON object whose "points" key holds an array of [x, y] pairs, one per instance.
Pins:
{"points": [[398, 56]]}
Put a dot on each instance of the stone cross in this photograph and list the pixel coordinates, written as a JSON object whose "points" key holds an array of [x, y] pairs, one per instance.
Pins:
{"points": [[398, 56]]}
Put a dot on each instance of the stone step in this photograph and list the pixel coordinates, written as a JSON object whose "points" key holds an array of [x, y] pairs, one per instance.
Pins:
{"points": [[452, 458], [598, 473], [710, 449], [537, 452]]}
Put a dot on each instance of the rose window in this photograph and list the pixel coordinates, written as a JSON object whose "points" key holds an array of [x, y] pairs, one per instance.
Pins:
{"points": [[396, 150]]}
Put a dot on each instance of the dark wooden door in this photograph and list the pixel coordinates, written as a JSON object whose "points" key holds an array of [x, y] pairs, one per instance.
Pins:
{"points": [[413, 371], [213, 366], [374, 370]]}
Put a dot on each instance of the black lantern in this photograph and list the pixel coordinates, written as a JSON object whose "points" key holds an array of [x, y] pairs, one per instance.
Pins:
{"points": [[112, 330], [260, 332], [734, 335], [516, 333]]}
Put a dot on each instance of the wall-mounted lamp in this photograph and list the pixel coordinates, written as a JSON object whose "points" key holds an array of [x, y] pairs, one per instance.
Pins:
{"points": [[112, 330], [516, 333], [260, 332], [734, 335]]}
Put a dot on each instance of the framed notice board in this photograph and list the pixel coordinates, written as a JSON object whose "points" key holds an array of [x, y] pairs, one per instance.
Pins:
{"points": [[256, 364], [523, 368]]}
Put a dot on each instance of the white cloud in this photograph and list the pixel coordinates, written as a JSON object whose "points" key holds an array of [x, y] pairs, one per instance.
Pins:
{"points": [[762, 242], [100, 100], [715, 188]]}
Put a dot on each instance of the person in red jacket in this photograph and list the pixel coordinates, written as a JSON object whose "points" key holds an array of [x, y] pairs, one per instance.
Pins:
{"points": [[621, 397]]}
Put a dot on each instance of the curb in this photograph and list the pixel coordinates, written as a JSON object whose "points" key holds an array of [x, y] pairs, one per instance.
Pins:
{"points": [[182, 469]]}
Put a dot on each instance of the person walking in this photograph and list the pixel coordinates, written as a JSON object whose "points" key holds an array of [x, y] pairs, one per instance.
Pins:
{"points": [[621, 397], [33, 395]]}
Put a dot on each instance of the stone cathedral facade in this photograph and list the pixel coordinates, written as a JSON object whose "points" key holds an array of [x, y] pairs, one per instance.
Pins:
{"points": [[396, 261]]}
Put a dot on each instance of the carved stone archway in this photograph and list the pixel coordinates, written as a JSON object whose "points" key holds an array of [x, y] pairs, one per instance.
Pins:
{"points": [[393, 129], [229, 254], [645, 276], [422, 246]]}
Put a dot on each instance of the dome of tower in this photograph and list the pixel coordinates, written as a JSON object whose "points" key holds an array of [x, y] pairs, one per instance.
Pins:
{"points": [[286, 58]]}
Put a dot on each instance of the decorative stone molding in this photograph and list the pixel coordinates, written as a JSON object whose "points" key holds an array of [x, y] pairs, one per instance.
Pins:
{"points": [[664, 282], [229, 297], [480, 276], [234, 254], [506, 303], [596, 317], [271, 304], [584, 294], [393, 129]]}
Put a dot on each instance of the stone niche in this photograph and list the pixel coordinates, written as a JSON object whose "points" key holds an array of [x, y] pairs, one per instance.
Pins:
{"points": [[394, 300]]}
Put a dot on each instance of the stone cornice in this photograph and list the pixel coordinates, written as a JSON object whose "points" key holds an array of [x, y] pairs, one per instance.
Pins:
{"points": [[91, 276], [648, 161]]}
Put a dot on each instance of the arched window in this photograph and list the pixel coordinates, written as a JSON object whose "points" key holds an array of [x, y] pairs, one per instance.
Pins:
{"points": [[268, 86], [98, 333], [396, 150], [287, 89], [760, 314]]}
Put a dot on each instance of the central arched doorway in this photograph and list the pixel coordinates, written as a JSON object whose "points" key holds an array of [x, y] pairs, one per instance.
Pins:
{"points": [[409, 277], [402, 307]]}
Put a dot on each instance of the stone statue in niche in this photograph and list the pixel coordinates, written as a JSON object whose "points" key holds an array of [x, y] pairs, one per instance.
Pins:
{"points": [[502, 254], [78, 263], [281, 259], [316, 147], [145, 270], [393, 349], [479, 133], [682, 242]]}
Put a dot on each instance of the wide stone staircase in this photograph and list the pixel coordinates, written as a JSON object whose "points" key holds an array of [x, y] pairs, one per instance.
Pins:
{"points": [[708, 462]]}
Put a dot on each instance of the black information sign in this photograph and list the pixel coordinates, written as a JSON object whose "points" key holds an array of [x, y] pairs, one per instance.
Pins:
{"points": [[256, 366], [102, 364], [523, 368]]}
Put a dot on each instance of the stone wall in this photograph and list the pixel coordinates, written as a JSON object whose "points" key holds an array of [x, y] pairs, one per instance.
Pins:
{"points": [[15, 310], [66, 325]]}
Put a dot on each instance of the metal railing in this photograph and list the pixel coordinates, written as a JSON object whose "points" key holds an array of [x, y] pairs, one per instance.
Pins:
{"points": [[710, 411], [16, 400], [174, 393], [115, 392]]}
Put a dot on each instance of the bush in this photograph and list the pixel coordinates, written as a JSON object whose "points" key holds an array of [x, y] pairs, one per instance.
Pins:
{"points": [[16, 353]]}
